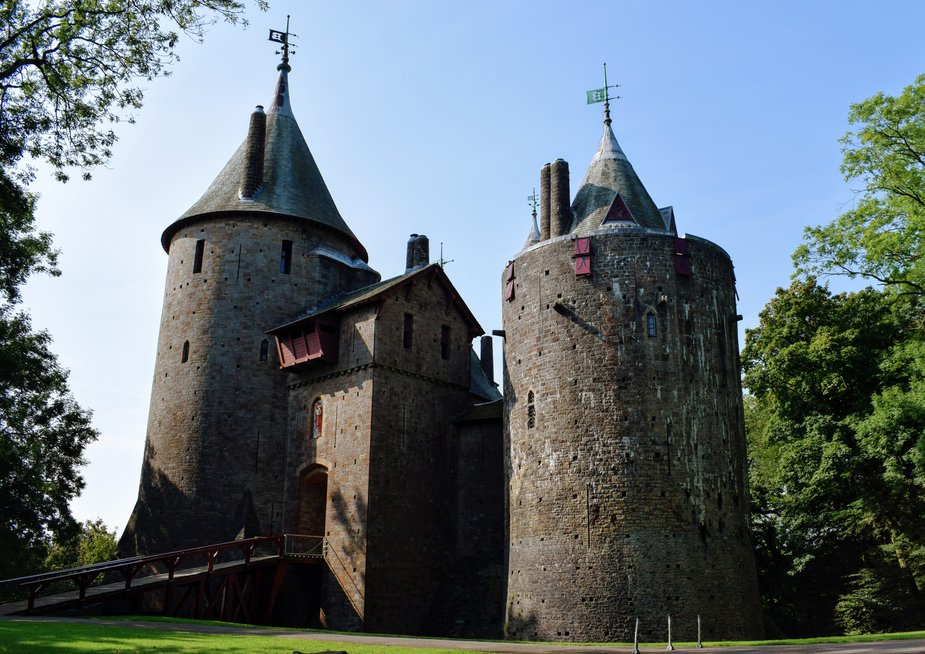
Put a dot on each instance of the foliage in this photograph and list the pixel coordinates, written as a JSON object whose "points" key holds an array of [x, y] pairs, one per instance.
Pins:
{"points": [[70, 70], [44, 433], [883, 237], [93, 543], [23, 250], [836, 429]]}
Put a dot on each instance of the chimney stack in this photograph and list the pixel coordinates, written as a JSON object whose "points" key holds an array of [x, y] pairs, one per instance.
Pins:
{"points": [[544, 203], [418, 252], [487, 357], [560, 221], [252, 175]]}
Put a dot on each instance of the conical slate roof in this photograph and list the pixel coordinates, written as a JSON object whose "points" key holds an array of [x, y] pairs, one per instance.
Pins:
{"points": [[610, 173], [292, 185]]}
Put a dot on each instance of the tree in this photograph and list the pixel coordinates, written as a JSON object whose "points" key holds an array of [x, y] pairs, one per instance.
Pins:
{"points": [[883, 237], [44, 433], [92, 543], [836, 429], [69, 72]]}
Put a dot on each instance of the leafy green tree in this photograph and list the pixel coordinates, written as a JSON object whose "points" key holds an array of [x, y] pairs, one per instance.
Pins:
{"points": [[70, 70], [44, 433], [92, 543], [835, 426], [883, 237]]}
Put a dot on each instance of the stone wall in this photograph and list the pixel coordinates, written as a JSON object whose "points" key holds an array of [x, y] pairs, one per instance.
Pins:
{"points": [[626, 451], [217, 422], [385, 448]]}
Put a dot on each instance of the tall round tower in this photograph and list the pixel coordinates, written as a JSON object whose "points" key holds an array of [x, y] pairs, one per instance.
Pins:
{"points": [[264, 243], [626, 450]]}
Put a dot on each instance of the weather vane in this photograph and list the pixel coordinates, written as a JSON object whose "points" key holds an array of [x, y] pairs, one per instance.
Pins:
{"points": [[534, 202], [603, 95], [442, 262], [283, 37]]}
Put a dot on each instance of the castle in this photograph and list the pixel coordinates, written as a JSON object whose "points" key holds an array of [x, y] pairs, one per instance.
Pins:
{"points": [[295, 391]]}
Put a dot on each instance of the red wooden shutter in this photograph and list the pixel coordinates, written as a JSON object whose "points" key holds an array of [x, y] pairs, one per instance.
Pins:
{"points": [[313, 342], [509, 282], [285, 349], [582, 256]]}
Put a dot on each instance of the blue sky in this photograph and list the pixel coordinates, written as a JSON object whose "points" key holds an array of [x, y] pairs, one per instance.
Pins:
{"points": [[435, 118]]}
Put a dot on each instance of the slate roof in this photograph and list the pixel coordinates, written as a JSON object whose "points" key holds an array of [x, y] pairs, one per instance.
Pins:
{"points": [[492, 410], [292, 184], [610, 173], [479, 383], [373, 292]]}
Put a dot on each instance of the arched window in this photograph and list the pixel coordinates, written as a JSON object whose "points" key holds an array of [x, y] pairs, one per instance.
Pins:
{"points": [[264, 349], [531, 411], [650, 324], [317, 418], [185, 356]]}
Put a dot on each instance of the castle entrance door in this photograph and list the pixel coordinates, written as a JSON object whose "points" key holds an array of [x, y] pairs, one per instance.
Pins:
{"points": [[313, 494]]}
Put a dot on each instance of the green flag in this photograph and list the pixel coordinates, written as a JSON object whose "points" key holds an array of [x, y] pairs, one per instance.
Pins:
{"points": [[597, 95]]}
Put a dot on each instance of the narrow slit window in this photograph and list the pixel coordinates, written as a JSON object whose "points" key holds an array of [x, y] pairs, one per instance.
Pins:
{"points": [[264, 349], [317, 418], [185, 356], [408, 335], [285, 257], [197, 257], [531, 411], [444, 342]]}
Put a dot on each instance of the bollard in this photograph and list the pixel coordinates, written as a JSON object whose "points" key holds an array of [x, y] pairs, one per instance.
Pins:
{"points": [[670, 647], [636, 638]]}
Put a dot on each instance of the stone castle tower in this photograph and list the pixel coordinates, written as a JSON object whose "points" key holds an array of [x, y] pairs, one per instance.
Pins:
{"points": [[263, 243], [625, 446], [296, 392]]}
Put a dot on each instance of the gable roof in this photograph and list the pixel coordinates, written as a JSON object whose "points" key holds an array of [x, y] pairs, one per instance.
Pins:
{"points": [[369, 294]]}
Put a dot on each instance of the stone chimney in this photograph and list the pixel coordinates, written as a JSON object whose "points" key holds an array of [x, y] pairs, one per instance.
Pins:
{"points": [[560, 220], [487, 357], [544, 203], [418, 252], [252, 175]]}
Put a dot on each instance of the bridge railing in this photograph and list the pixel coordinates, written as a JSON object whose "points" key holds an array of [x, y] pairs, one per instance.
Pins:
{"points": [[129, 570], [305, 547]]}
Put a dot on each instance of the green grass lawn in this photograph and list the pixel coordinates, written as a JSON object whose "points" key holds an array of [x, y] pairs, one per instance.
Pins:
{"points": [[67, 638], [86, 637]]}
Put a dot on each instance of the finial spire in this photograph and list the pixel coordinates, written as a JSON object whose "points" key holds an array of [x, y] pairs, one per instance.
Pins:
{"points": [[534, 235], [283, 37]]}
